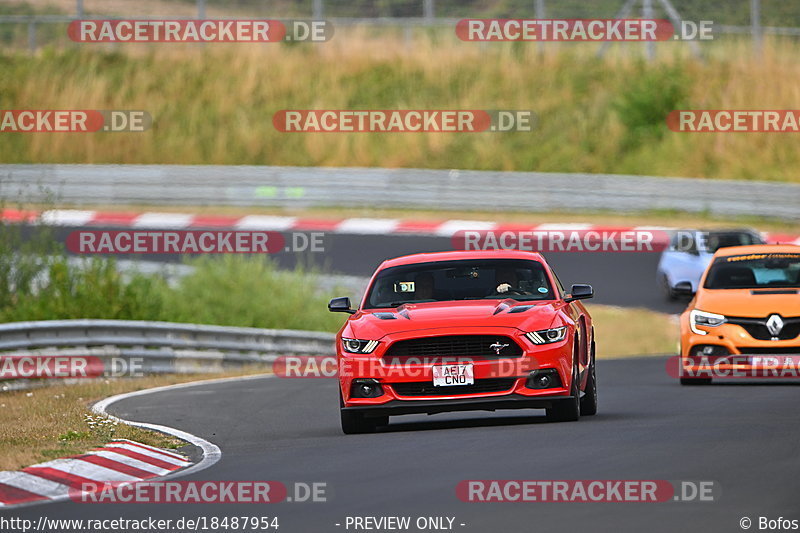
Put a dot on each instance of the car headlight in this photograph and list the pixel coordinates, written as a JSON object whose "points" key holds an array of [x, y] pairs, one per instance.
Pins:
{"points": [[547, 336], [358, 345], [702, 318]]}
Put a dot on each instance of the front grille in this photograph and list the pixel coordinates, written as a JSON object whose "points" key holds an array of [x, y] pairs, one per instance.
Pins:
{"points": [[453, 346], [757, 327], [784, 350], [426, 388]]}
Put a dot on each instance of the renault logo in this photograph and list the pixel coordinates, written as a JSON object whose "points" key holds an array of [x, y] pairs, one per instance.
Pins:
{"points": [[774, 325], [497, 347]]}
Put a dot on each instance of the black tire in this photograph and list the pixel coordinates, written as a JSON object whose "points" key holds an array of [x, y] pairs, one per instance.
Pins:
{"points": [[666, 289], [695, 381], [589, 399], [355, 423], [568, 410]]}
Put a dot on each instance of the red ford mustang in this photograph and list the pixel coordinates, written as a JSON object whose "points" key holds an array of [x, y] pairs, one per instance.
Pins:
{"points": [[460, 331]]}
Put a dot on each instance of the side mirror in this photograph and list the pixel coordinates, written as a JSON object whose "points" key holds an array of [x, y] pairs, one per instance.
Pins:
{"points": [[579, 291], [683, 288], [340, 305]]}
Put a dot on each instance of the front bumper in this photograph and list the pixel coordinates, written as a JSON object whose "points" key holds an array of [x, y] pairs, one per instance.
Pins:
{"points": [[408, 407], [729, 351], [396, 381]]}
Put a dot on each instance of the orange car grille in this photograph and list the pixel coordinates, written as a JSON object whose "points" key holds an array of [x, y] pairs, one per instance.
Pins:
{"points": [[757, 327]]}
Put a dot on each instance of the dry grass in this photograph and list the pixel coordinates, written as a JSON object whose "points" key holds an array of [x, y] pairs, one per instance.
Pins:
{"points": [[621, 332], [214, 104], [49, 422]]}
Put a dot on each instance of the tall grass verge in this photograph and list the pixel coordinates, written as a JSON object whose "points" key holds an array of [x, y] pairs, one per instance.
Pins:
{"points": [[214, 104]]}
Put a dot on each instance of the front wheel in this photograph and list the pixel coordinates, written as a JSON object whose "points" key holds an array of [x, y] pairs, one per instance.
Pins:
{"points": [[567, 410], [667, 290], [355, 423]]}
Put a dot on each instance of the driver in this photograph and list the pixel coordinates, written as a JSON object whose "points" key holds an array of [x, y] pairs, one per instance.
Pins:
{"points": [[506, 279]]}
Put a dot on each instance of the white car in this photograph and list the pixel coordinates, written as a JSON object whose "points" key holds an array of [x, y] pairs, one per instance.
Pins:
{"points": [[690, 252]]}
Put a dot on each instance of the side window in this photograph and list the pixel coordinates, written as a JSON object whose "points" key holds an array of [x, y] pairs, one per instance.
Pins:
{"points": [[689, 244], [684, 241]]}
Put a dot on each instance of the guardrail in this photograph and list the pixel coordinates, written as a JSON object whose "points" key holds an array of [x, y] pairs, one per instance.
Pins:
{"points": [[159, 347], [299, 187]]}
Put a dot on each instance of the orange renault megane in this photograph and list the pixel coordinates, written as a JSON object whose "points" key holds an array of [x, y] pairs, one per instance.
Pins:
{"points": [[744, 319]]}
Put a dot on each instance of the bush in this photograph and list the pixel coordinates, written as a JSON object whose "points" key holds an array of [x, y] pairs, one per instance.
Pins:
{"points": [[39, 282], [251, 292], [647, 100]]}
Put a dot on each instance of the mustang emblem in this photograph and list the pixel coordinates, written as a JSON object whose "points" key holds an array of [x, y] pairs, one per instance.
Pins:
{"points": [[497, 347], [775, 325]]}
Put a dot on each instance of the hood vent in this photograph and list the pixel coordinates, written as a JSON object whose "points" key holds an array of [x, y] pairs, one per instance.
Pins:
{"points": [[774, 291]]}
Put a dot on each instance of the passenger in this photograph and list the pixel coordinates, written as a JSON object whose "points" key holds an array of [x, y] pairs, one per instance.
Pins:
{"points": [[423, 286]]}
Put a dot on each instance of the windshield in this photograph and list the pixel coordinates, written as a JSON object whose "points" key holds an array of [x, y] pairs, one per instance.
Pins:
{"points": [[754, 271], [716, 241], [476, 279]]}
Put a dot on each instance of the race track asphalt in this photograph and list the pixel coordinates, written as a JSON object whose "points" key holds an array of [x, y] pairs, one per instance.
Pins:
{"points": [[744, 437]]}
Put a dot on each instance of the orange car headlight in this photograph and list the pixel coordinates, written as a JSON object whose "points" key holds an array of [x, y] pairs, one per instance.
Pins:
{"points": [[705, 319]]}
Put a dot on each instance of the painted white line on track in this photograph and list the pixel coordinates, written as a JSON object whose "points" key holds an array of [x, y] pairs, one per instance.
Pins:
{"points": [[76, 467], [130, 461], [265, 222], [149, 453], [66, 217], [35, 484], [162, 220]]}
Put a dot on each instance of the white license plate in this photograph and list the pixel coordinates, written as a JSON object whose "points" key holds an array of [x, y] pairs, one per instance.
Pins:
{"points": [[791, 361], [451, 375]]}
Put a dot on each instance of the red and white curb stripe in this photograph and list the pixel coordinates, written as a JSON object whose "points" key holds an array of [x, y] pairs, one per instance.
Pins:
{"points": [[118, 461], [355, 226]]}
